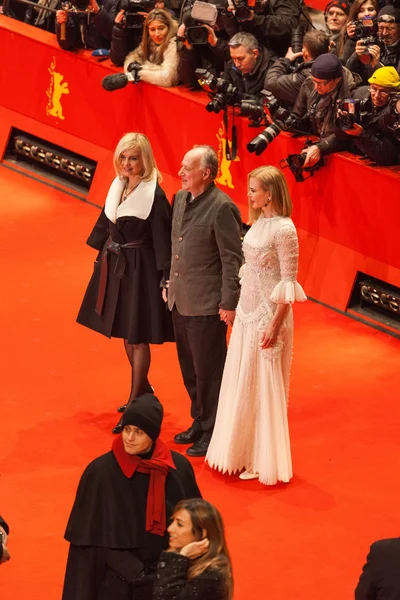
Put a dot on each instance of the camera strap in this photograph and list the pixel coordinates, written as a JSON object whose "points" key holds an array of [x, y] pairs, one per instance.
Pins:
{"points": [[230, 150]]}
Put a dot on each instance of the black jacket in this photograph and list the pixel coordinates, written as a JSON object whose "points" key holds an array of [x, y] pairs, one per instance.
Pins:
{"points": [[172, 583], [4, 525], [377, 141], [284, 82], [318, 114], [107, 527], [251, 83], [390, 57], [123, 41], [273, 28], [89, 31], [201, 57], [380, 579]]}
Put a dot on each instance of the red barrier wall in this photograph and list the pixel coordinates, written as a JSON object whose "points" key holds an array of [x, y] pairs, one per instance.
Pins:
{"points": [[347, 214]]}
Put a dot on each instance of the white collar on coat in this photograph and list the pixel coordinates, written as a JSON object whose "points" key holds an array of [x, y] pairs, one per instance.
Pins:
{"points": [[138, 204]]}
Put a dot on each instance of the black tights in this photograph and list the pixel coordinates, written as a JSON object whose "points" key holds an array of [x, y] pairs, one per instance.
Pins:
{"points": [[139, 359]]}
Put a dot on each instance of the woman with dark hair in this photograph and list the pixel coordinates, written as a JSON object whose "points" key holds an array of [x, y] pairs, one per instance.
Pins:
{"points": [[157, 53], [133, 236], [360, 9], [197, 565]]}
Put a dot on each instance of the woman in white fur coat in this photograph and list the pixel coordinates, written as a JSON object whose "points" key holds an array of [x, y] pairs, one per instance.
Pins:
{"points": [[157, 52]]}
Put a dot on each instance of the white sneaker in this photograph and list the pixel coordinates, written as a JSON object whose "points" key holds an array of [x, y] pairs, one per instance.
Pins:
{"points": [[246, 475]]}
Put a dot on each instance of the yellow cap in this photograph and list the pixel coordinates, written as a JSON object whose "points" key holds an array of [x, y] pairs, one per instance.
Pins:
{"points": [[386, 76]]}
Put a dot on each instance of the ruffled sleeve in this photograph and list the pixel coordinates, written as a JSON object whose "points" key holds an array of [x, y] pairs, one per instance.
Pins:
{"points": [[287, 290]]}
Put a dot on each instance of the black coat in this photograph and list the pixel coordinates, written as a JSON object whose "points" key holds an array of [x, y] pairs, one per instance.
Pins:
{"points": [[390, 57], [251, 83], [284, 82], [4, 525], [133, 306], [201, 57], [380, 579], [89, 31], [111, 555], [172, 583]]}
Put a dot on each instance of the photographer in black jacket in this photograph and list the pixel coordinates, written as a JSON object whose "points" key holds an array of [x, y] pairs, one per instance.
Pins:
{"points": [[91, 29], [376, 139], [272, 27], [383, 54], [4, 531], [248, 65], [284, 80]]}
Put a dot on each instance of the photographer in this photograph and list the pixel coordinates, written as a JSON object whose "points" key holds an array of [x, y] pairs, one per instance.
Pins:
{"points": [[272, 27], [4, 531], [248, 65], [284, 80], [128, 27], [359, 13], [367, 58], [375, 139], [157, 53], [329, 81], [89, 29]]}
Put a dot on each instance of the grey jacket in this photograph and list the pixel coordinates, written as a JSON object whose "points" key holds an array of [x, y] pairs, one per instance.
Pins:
{"points": [[206, 253]]}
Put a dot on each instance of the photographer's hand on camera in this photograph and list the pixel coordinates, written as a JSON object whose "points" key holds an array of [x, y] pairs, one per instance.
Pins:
{"points": [[374, 51], [313, 155], [292, 56]]}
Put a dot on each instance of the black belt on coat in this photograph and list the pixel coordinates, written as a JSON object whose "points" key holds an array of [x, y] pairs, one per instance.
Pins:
{"points": [[119, 269]]}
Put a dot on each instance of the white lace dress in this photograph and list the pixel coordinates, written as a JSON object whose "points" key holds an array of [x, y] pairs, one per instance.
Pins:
{"points": [[251, 430]]}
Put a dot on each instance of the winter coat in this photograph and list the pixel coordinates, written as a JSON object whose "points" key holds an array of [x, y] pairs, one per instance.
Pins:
{"points": [[390, 57], [251, 83], [272, 29], [89, 31], [323, 124], [171, 580], [284, 82], [164, 74]]}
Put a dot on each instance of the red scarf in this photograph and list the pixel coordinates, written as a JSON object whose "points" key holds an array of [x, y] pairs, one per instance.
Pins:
{"points": [[157, 468]]}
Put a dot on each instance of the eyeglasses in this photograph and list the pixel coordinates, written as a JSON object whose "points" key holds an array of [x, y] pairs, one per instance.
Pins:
{"points": [[321, 83], [377, 92]]}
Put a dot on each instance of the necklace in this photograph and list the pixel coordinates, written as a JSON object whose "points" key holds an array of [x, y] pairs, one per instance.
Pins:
{"points": [[127, 192]]}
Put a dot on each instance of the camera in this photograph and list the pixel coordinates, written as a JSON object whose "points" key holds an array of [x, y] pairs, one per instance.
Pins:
{"points": [[366, 32], [297, 39], [79, 6], [295, 162], [202, 13], [243, 9], [348, 112], [132, 18], [392, 119], [280, 114], [221, 92]]}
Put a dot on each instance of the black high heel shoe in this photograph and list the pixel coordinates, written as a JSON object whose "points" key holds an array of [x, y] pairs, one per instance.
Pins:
{"points": [[122, 408]]}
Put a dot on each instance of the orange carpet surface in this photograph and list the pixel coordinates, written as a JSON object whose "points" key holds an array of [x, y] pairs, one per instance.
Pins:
{"points": [[61, 385]]}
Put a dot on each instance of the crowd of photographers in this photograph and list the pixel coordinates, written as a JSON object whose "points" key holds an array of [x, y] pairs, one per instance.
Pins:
{"points": [[263, 59]]}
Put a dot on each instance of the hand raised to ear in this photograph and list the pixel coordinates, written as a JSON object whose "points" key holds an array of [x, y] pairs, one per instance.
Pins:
{"points": [[195, 549]]}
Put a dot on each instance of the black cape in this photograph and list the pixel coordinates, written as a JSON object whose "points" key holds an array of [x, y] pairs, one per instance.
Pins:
{"points": [[111, 554]]}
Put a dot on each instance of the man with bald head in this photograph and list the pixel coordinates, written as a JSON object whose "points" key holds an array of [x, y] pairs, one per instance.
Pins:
{"points": [[203, 289]]}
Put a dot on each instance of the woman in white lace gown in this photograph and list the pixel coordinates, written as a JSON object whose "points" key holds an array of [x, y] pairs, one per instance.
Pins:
{"points": [[251, 430]]}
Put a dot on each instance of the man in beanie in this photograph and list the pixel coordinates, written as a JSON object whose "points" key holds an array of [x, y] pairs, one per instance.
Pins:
{"points": [[336, 13], [365, 60], [315, 108], [376, 139], [117, 527]]}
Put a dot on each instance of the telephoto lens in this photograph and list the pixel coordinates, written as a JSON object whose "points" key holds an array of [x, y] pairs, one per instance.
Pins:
{"points": [[259, 143]]}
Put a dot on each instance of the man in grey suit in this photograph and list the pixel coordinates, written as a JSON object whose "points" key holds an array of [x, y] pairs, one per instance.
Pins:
{"points": [[203, 287]]}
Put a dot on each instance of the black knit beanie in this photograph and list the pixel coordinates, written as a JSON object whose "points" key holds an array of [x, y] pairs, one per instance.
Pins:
{"points": [[327, 66], [145, 412], [389, 11]]}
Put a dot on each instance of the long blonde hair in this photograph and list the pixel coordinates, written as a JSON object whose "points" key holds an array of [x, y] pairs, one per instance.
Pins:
{"points": [[205, 516], [273, 181], [142, 143]]}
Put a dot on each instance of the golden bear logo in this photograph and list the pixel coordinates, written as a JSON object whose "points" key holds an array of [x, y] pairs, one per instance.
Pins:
{"points": [[57, 88], [224, 173]]}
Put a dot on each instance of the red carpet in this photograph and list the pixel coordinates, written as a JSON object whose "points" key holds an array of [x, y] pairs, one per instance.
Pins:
{"points": [[61, 384]]}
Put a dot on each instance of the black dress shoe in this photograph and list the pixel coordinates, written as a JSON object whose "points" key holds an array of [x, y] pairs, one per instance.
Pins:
{"points": [[191, 435], [118, 428], [201, 446]]}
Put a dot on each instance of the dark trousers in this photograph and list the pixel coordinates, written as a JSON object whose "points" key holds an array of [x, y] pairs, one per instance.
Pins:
{"points": [[201, 346]]}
